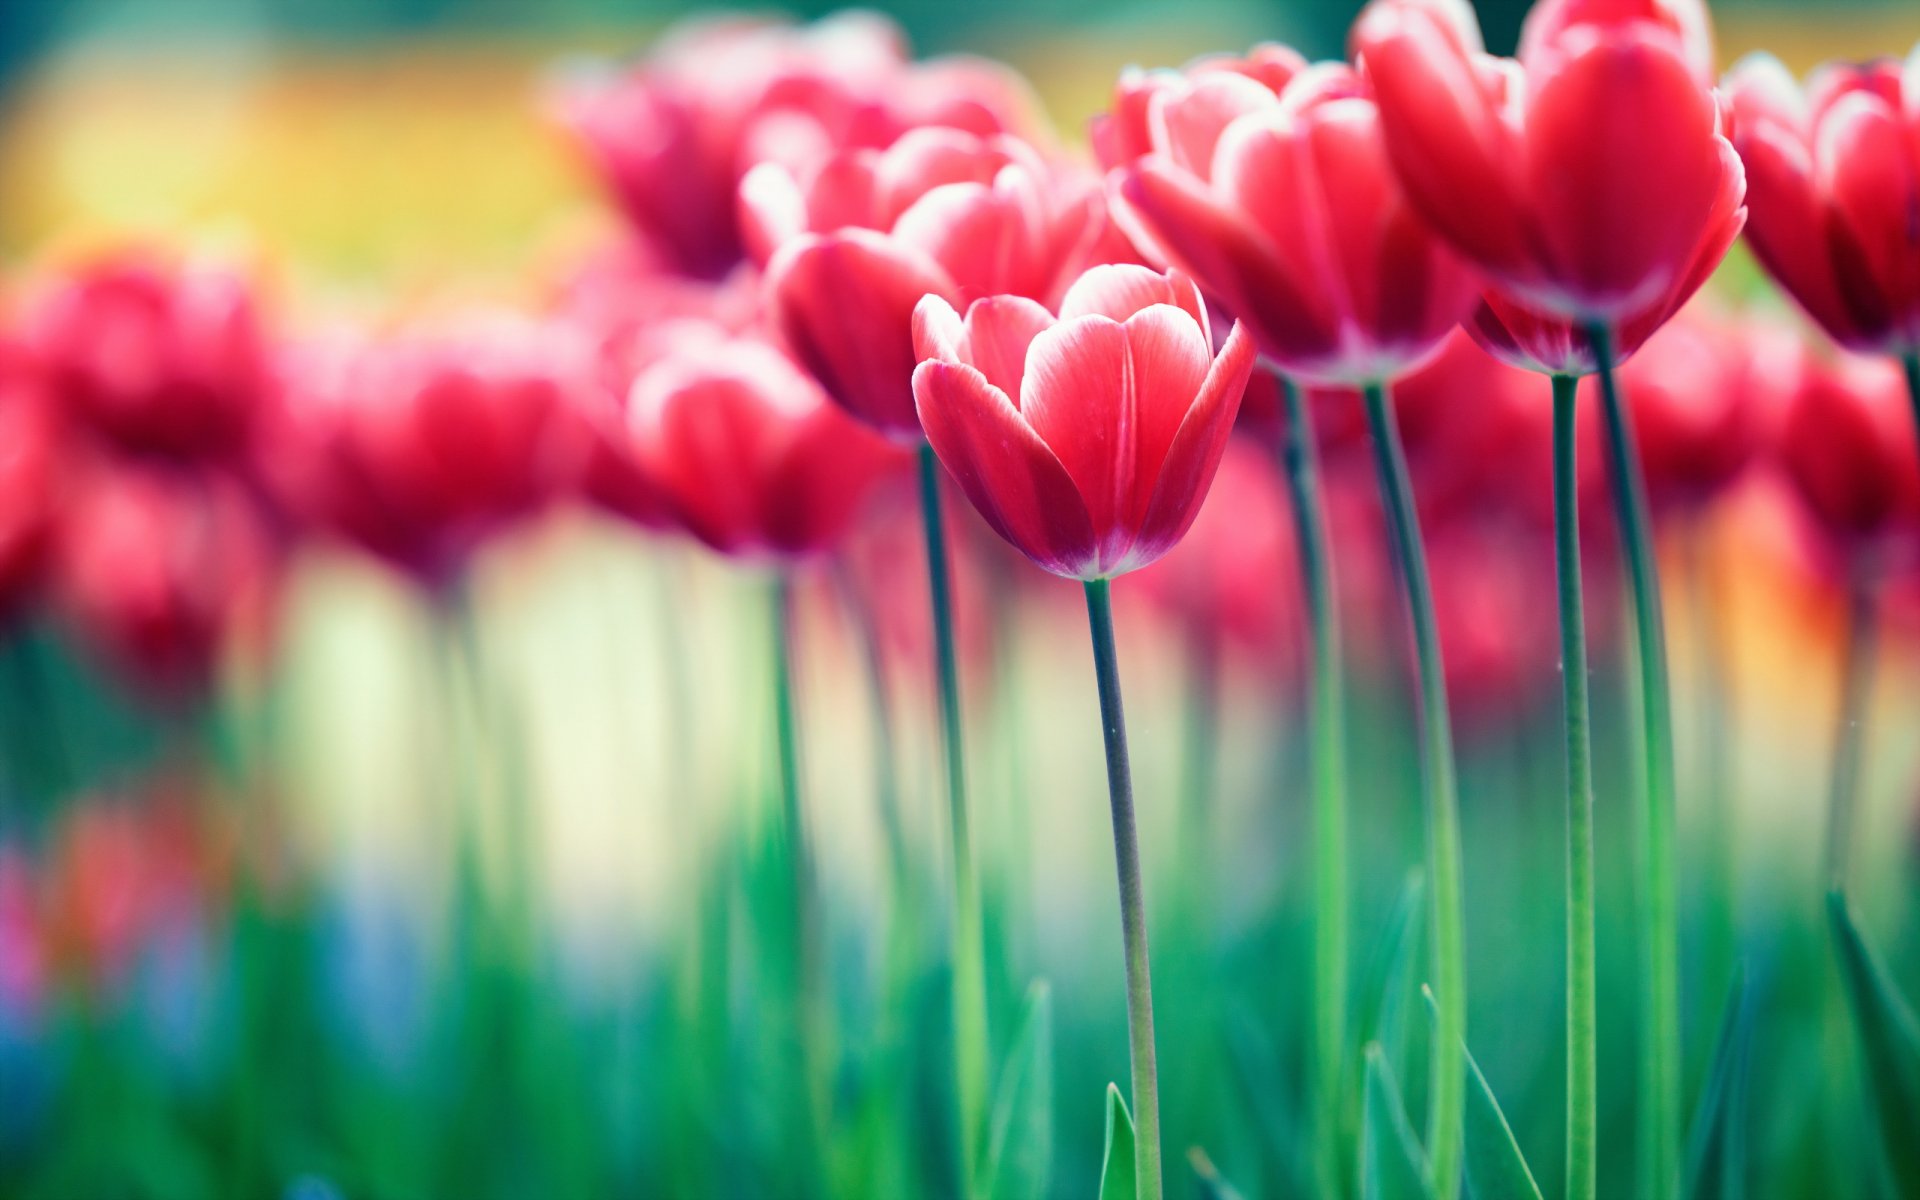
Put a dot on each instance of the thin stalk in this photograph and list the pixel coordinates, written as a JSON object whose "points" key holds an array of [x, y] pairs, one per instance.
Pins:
{"points": [[969, 950], [1716, 835], [1582, 1009], [1133, 907], [1326, 735], [1660, 1042], [1849, 736], [809, 998], [1446, 1093], [1911, 363]]}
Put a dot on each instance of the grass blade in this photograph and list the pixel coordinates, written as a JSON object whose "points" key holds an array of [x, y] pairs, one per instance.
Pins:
{"points": [[1020, 1131], [1116, 1168], [1890, 1038], [1392, 1165], [1716, 1148]]}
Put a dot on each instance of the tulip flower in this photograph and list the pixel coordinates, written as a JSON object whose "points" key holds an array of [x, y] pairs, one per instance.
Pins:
{"points": [[35, 454], [1282, 204], [158, 573], [672, 137], [1833, 177], [159, 359], [421, 447], [747, 452], [851, 248], [1587, 178], [1088, 441], [1843, 442]]}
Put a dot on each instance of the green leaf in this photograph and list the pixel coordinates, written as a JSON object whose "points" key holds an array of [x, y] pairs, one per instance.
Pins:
{"points": [[1890, 1035], [1496, 1169], [1212, 1187], [1392, 1165], [1116, 1167], [1390, 973], [1020, 1130], [1716, 1149]]}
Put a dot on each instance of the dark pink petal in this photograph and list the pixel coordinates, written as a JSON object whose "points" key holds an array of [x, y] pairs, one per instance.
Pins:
{"points": [[1194, 454], [1077, 400], [999, 330], [1009, 474], [1119, 290]]}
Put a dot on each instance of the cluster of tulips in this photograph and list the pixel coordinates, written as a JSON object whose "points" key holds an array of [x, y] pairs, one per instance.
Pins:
{"points": [[1296, 312]]}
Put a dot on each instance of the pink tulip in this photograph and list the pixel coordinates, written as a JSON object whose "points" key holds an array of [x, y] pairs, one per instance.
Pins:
{"points": [[1282, 204], [1833, 176], [1592, 177], [158, 359], [672, 137], [748, 454], [852, 246], [1087, 440]]}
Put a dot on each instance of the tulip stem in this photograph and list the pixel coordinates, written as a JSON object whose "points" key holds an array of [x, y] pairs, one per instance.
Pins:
{"points": [[1911, 363], [808, 1010], [1326, 719], [1582, 1009], [1856, 687], [969, 952], [1661, 1045], [1133, 909], [1446, 1093]]}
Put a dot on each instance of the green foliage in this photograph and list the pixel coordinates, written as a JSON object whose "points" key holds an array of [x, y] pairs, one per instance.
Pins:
{"points": [[1890, 1040], [1117, 1179]]}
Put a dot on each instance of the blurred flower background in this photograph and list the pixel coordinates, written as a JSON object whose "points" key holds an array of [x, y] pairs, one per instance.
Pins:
{"points": [[443, 855]]}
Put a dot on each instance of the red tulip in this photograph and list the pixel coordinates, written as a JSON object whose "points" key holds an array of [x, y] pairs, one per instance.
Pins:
{"points": [[748, 454], [1533, 340], [855, 244], [421, 447], [157, 572], [1283, 205], [34, 458], [1588, 179], [157, 359], [1834, 185], [1846, 443], [672, 137], [1233, 582], [1705, 395], [1087, 440]]}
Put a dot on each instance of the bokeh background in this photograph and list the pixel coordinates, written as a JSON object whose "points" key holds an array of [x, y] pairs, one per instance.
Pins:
{"points": [[398, 155]]}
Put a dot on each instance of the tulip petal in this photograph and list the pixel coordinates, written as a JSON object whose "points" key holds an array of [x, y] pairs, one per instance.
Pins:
{"points": [[1863, 167], [999, 330], [1015, 481], [1076, 397], [1194, 453], [1187, 120], [772, 210], [1625, 166], [938, 331], [1119, 290], [843, 303]]}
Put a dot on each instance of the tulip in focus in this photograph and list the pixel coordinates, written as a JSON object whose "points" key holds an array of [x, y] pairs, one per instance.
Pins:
{"points": [[1833, 175], [161, 359], [1087, 440], [1269, 183], [748, 454], [852, 246]]}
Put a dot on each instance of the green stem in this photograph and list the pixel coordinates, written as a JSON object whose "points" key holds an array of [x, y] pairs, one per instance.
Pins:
{"points": [[969, 951], [1849, 738], [1133, 909], [1716, 823], [1661, 1043], [809, 996], [1582, 1057], [1326, 735], [1446, 1093], [1911, 363]]}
